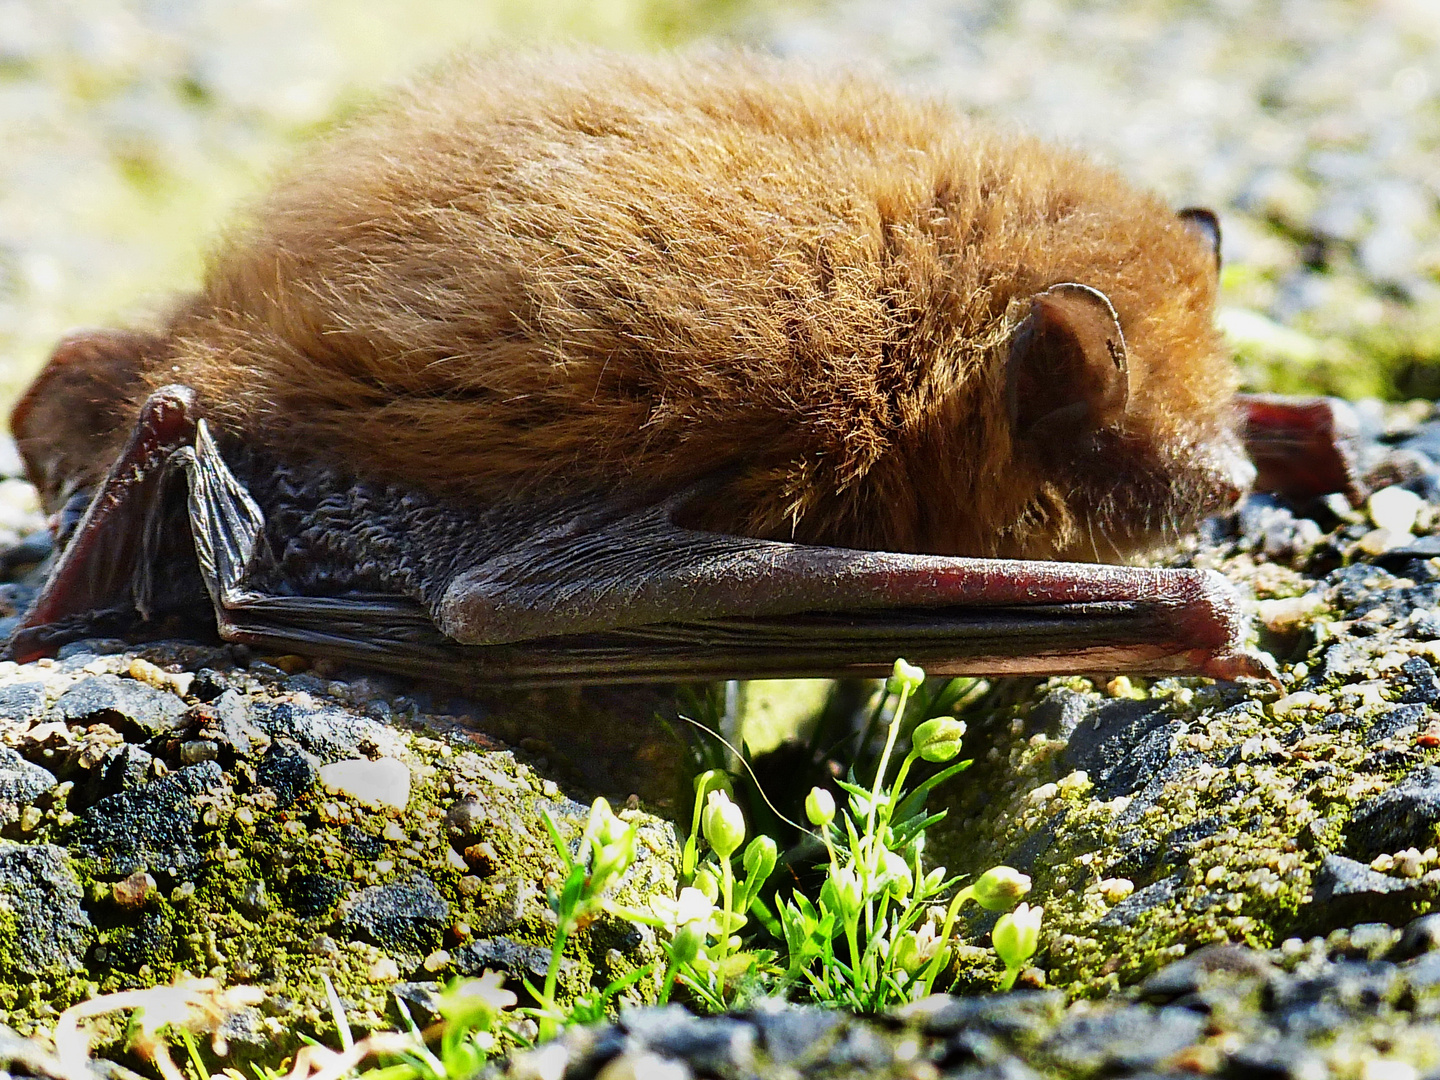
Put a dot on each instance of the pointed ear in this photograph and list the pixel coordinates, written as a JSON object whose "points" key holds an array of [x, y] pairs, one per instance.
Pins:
{"points": [[1067, 368], [1205, 225]]}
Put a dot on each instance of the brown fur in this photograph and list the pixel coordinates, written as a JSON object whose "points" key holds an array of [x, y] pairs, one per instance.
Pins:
{"points": [[580, 271]]}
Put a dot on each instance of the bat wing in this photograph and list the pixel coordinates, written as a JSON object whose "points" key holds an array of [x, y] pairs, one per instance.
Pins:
{"points": [[593, 593]]}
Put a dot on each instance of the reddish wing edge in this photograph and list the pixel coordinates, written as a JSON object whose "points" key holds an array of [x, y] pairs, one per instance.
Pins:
{"points": [[640, 599]]}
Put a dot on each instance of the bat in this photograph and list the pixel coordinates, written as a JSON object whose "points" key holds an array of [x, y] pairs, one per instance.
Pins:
{"points": [[580, 368]]}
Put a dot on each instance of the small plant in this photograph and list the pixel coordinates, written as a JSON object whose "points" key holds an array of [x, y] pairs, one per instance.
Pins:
{"points": [[878, 902], [879, 932], [605, 852]]}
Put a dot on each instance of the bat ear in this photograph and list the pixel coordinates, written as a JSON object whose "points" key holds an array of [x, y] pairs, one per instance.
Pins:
{"points": [[1067, 372], [63, 423], [1205, 225]]}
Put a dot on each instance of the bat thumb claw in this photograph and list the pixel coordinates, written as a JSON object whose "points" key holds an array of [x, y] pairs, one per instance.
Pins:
{"points": [[1243, 664]]}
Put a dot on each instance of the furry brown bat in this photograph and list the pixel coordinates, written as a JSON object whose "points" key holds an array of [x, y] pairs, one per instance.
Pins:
{"points": [[583, 368]]}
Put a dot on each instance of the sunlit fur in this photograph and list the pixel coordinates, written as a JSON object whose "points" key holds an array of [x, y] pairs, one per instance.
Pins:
{"points": [[571, 271]]}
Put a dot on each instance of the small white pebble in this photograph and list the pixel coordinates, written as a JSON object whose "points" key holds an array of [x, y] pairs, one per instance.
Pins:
{"points": [[384, 970], [1385, 1069], [384, 782], [1379, 541], [1395, 509], [1116, 889], [1281, 615], [1075, 783]]}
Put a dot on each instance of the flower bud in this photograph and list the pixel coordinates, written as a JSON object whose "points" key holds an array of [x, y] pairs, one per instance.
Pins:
{"points": [[1016, 935], [685, 946], [999, 888], [713, 780], [759, 861], [938, 739], [820, 807], [706, 883], [907, 954], [723, 824], [896, 874], [905, 677], [842, 893]]}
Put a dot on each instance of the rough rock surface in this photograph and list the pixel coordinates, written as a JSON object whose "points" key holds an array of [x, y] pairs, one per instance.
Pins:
{"points": [[1363, 1003], [171, 821]]}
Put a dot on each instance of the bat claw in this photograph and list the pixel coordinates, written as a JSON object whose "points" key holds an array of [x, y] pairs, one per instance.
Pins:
{"points": [[1243, 664]]}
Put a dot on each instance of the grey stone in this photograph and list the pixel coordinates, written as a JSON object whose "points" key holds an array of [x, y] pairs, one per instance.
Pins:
{"points": [[21, 782], [330, 734], [1142, 900], [288, 772], [713, 1045], [20, 702], [40, 898], [1122, 744], [153, 827], [405, 916], [501, 953], [122, 703], [1394, 722], [314, 895], [1420, 936], [792, 1035], [1405, 816], [1123, 1040]]}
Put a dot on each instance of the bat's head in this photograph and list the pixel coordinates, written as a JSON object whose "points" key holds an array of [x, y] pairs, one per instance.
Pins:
{"points": [[1112, 393], [67, 422]]}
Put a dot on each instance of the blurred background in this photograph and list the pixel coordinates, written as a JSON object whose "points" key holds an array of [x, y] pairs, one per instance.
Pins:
{"points": [[131, 130]]}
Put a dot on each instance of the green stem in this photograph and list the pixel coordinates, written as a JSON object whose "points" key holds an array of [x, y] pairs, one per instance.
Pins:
{"points": [[727, 895], [885, 758], [932, 970]]}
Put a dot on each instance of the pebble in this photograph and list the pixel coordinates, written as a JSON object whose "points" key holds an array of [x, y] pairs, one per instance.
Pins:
{"points": [[384, 782], [1395, 510]]}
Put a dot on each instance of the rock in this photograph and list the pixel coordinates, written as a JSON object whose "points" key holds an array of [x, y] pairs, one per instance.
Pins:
{"points": [[154, 827], [1405, 816], [713, 1045], [44, 930], [384, 782], [1421, 685], [790, 1036], [225, 720], [1395, 722], [21, 702], [1419, 937], [330, 734], [1120, 745], [122, 703], [1345, 889], [1130, 909], [1214, 964], [288, 772], [313, 896], [1123, 1041], [21, 783], [505, 954], [404, 916]]}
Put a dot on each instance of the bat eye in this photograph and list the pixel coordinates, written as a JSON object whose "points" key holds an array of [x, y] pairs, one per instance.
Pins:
{"points": [[1068, 371], [1204, 224]]}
